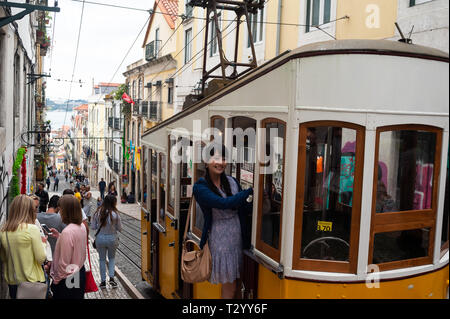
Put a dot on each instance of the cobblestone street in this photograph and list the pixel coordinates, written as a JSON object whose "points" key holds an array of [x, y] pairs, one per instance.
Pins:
{"points": [[127, 256]]}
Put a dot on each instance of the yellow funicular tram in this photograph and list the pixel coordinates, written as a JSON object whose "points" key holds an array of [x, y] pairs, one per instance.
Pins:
{"points": [[356, 206]]}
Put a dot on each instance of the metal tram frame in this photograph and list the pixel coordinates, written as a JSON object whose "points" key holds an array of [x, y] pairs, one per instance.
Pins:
{"points": [[365, 86]]}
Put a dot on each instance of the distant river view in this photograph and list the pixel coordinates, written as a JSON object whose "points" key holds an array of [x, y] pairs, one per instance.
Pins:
{"points": [[57, 118]]}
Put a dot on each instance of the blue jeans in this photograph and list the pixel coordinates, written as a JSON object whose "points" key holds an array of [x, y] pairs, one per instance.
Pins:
{"points": [[107, 244]]}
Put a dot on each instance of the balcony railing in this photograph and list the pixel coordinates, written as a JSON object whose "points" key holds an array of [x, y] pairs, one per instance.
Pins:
{"points": [[110, 162], [155, 111], [136, 106], [152, 50], [144, 108], [117, 121], [116, 167]]}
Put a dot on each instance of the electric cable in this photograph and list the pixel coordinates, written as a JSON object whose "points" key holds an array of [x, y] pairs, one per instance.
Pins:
{"points": [[132, 45], [183, 16], [74, 63]]}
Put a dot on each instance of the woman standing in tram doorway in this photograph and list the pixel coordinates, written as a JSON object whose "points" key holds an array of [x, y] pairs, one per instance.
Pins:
{"points": [[223, 205], [107, 222]]}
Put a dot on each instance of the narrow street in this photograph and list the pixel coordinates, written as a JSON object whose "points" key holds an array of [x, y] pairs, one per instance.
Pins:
{"points": [[128, 255]]}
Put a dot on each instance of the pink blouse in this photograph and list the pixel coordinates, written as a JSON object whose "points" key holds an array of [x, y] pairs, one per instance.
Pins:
{"points": [[70, 252]]}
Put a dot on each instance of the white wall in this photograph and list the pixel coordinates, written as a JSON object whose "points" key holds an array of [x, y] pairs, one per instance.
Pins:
{"points": [[15, 38], [430, 21]]}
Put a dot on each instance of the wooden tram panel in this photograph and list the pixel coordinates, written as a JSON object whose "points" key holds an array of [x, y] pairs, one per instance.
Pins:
{"points": [[252, 96]]}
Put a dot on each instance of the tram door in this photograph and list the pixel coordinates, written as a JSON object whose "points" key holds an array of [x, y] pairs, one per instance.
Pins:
{"points": [[150, 263], [145, 219], [242, 168], [185, 169], [168, 245]]}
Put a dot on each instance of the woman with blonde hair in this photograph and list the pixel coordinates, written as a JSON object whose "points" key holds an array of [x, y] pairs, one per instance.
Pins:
{"points": [[67, 270], [22, 250]]}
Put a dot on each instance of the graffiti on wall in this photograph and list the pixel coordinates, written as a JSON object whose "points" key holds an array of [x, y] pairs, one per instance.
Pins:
{"points": [[4, 184]]}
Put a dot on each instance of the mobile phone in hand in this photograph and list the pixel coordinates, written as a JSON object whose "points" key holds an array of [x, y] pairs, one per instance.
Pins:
{"points": [[46, 229]]}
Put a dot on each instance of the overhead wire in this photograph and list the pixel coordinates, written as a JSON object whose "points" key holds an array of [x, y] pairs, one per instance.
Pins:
{"points": [[52, 45], [183, 16], [74, 63], [189, 63], [132, 45]]}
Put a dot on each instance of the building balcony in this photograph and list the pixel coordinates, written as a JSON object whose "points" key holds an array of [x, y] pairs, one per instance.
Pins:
{"points": [[110, 161], [117, 122], [152, 50], [155, 111], [116, 167]]}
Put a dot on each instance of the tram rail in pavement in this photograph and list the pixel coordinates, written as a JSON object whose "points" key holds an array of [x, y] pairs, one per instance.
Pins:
{"points": [[125, 289]]}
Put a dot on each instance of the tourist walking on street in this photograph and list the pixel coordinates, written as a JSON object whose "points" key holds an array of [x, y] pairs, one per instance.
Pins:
{"points": [[68, 191], [55, 186], [112, 190], [43, 195], [22, 250], [44, 237], [52, 219], [106, 221], [90, 205], [48, 182], [102, 187], [70, 252], [77, 194]]}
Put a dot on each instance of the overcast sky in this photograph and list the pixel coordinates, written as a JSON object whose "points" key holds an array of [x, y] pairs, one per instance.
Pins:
{"points": [[107, 33]]}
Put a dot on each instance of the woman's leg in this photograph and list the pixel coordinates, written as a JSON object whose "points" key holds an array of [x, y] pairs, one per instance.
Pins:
{"points": [[112, 247], [228, 290], [12, 291], [102, 260]]}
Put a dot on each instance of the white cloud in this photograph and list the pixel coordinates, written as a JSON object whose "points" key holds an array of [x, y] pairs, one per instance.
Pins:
{"points": [[106, 35]]}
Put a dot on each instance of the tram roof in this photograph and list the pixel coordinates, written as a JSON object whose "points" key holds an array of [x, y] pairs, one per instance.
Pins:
{"points": [[350, 46]]}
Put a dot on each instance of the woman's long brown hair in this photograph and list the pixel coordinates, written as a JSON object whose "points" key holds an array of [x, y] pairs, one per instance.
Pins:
{"points": [[108, 206]]}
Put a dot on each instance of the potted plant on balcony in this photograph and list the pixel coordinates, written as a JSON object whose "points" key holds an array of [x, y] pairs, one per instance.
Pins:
{"points": [[40, 36], [45, 45]]}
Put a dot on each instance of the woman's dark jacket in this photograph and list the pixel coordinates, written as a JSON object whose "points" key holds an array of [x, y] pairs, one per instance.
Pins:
{"points": [[208, 200]]}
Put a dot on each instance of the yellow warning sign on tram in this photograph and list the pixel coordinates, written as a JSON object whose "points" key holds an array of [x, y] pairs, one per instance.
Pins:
{"points": [[324, 226]]}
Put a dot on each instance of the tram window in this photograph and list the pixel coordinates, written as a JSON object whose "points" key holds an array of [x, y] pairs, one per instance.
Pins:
{"points": [[271, 188], [172, 172], [144, 176], [186, 172], [401, 245], [405, 170], [162, 189], [199, 171], [243, 150], [329, 183], [328, 193], [444, 235], [154, 174], [218, 122]]}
